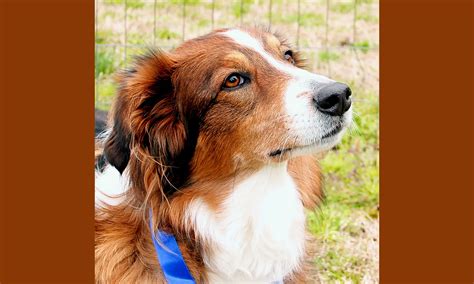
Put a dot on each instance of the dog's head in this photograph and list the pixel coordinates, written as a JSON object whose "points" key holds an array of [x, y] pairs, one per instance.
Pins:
{"points": [[234, 99]]}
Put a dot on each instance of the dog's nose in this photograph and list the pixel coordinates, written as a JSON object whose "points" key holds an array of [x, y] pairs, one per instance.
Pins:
{"points": [[333, 99]]}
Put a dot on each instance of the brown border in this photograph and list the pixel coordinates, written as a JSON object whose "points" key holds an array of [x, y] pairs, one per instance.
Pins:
{"points": [[47, 63], [46, 141], [426, 141]]}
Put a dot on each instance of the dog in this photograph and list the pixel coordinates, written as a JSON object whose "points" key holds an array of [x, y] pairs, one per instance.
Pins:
{"points": [[215, 144]]}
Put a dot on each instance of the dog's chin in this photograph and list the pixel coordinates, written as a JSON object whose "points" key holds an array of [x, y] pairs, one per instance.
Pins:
{"points": [[313, 145], [324, 144], [327, 142]]}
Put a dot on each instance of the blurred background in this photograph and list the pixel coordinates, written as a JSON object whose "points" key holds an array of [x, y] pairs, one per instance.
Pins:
{"points": [[339, 39]]}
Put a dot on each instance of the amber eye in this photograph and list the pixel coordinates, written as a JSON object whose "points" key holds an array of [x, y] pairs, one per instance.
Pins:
{"points": [[233, 81], [289, 56]]}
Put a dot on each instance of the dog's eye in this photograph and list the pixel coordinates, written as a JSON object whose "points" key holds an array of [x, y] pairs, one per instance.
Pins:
{"points": [[289, 56], [233, 81]]}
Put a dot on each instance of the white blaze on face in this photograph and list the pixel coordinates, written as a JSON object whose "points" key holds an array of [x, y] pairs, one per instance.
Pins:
{"points": [[248, 41], [305, 121]]}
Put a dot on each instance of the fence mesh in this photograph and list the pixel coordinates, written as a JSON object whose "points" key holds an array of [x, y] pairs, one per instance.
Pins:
{"points": [[339, 38]]}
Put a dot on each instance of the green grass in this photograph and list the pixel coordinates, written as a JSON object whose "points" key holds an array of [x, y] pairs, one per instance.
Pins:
{"points": [[106, 90], [342, 8], [363, 46], [187, 2], [166, 34], [203, 23], [105, 36], [133, 4], [105, 63], [326, 56], [367, 18], [137, 38], [365, 1], [239, 9], [306, 19]]}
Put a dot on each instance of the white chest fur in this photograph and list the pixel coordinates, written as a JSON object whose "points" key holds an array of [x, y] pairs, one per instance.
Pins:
{"points": [[258, 235]]}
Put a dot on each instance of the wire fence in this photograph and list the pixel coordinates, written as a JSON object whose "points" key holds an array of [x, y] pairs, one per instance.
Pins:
{"points": [[331, 32]]}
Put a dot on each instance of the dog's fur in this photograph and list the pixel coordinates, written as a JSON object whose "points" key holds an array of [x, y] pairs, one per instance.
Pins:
{"points": [[229, 172]]}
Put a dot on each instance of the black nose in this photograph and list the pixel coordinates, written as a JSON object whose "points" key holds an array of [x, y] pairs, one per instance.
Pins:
{"points": [[333, 99]]}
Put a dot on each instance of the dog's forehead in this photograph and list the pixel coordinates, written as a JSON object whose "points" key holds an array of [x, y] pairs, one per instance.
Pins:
{"points": [[257, 40], [260, 45], [234, 39]]}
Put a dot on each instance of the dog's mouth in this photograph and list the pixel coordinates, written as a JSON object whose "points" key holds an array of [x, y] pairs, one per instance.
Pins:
{"points": [[324, 138], [279, 152], [333, 131]]}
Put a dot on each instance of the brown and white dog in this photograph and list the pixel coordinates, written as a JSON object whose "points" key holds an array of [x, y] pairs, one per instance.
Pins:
{"points": [[217, 138]]}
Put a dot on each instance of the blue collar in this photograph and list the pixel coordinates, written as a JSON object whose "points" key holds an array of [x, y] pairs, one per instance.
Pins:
{"points": [[170, 258]]}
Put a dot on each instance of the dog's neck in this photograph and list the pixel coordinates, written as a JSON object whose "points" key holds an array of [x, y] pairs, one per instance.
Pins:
{"points": [[257, 233]]}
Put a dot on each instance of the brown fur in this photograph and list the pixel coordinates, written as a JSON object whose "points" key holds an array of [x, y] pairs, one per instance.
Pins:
{"points": [[180, 136]]}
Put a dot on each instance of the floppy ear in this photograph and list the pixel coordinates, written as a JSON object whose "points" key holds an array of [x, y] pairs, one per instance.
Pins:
{"points": [[147, 124]]}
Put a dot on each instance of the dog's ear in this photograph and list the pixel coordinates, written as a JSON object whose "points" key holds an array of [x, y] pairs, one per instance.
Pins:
{"points": [[146, 118]]}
